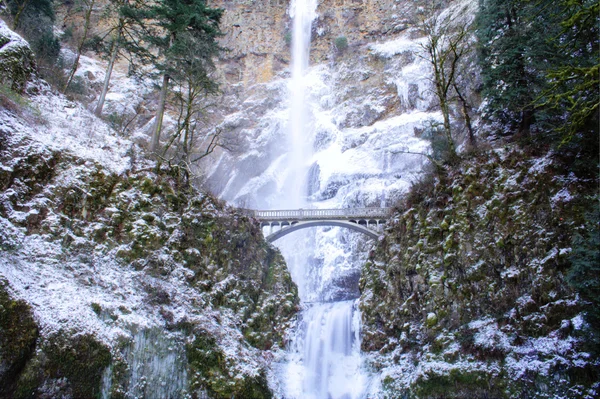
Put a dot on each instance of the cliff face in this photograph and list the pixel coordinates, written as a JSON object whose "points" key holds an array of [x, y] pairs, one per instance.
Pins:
{"points": [[258, 33], [117, 278], [467, 294], [372, 80]]}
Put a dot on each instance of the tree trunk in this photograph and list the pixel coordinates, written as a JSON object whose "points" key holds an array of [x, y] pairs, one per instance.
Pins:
{"points": [[109, 69], [18, 14], [159, 115], [448, 128], [465, 112], [86, 28]]}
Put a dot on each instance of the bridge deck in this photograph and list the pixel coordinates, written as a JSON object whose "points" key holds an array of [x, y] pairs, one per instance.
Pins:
{"points": [[323, 214]]}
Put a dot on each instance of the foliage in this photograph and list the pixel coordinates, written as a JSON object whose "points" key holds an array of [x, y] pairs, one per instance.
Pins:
{"points": [[540, 61], [341, 43], [573, 78], [584, 274], [440, 147], [288, 38], [173, 27], [512, 44]]}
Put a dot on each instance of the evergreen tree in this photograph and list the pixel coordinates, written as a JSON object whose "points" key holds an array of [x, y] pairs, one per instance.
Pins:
{"points": [[513, 48], [572, 92], [122, 39], [170, 21]]}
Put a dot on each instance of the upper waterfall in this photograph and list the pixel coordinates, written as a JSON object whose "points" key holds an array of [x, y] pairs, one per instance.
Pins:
{"points": [[303, 13]]}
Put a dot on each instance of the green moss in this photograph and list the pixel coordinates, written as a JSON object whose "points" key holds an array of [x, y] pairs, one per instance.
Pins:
{"points": [[68, 363], [96, 308], [18, 335], [17, 66], [209, 371], [459, 384]]}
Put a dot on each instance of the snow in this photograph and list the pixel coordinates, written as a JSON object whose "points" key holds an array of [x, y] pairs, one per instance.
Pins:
{"points": [[397, 46], [67, 126], [15, 40]]}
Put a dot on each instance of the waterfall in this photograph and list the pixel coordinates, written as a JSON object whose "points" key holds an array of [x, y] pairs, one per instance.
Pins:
{"points": [[324, 358], [303, 13]]}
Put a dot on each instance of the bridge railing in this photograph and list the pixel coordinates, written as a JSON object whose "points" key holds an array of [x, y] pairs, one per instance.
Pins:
{"points": [[313, 214]]}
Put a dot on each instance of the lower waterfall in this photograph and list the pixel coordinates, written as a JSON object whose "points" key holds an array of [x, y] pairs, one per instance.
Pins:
{"points": [[323, 356], [326, 353]]}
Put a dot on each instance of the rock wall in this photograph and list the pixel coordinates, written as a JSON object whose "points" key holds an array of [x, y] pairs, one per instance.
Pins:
{"points": [[467, 295], [258, 32], [208, 282]]}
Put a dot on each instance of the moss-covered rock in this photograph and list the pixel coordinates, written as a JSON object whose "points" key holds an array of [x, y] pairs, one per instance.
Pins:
{"points": [[17, 63], [66, 364], [474, 272], [18, 336], [154, 224]]}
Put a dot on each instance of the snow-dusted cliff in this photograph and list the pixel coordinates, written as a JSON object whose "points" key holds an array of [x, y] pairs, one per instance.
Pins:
{"points": [[117, 278]]}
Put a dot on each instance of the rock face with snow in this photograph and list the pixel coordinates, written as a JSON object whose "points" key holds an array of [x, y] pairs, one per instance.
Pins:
{"points": [[117, 278], [105, 260], [369, 105], [16, 59], [467, 296]]}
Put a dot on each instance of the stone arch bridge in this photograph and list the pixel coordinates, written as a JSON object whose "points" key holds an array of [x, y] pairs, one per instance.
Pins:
{"points": [[368, 221]]}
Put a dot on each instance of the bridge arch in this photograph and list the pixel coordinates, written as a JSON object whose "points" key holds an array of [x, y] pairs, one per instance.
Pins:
{"points": [[360, 227]]}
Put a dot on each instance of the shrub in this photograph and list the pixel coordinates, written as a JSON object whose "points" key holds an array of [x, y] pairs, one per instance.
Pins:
{"points": [[341, 43], [288, 38], [440, 148]]}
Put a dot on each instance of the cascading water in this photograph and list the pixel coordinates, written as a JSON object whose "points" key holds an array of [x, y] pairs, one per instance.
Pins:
{"points": [[324, 358], [303, 12]]}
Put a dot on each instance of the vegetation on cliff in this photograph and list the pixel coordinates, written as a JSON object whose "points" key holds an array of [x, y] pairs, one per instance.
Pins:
{"points": [[468, 294]]}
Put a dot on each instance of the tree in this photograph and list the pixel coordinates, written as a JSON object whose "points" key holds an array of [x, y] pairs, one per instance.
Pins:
{"points": [[194, 85], [124, 38], [444, 47], [514, 52], [18, 8], [573, 77], [88, 6], [168, 20]]}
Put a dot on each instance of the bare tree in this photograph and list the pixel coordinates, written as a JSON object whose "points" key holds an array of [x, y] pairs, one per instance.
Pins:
{"points": [[446, 43], [86, 27]]}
